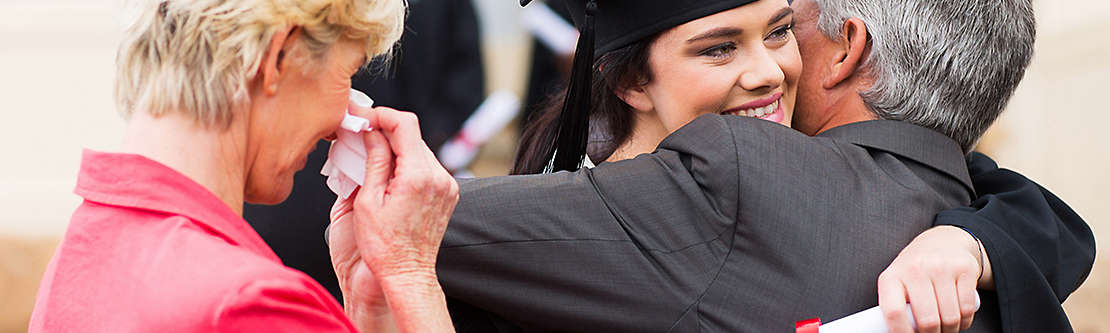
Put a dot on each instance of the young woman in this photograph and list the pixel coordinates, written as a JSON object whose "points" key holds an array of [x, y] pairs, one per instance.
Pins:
{"points": [[740, 61]]}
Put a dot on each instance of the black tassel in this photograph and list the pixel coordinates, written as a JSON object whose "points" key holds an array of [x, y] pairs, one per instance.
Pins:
{"points": [[574, 121]]}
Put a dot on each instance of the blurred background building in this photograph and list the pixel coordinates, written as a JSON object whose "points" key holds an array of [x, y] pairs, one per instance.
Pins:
{"points": [[56, 78]]}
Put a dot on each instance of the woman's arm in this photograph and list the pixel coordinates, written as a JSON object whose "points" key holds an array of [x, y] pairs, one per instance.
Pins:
{"points": [[1035, 251]]}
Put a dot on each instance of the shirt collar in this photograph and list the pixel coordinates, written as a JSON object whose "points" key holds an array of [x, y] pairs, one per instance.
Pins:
{"points": [[134, 181], [910, 141]]}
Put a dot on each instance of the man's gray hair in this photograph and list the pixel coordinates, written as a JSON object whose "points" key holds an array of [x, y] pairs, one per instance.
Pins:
{"points": [[948, 65]]}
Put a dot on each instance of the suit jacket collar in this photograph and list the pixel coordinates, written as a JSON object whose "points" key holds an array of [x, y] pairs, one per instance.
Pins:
{"points": [[910, 141]]}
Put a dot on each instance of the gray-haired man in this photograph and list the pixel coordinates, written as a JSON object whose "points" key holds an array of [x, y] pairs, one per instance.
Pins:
{"points": [[947, 65]]}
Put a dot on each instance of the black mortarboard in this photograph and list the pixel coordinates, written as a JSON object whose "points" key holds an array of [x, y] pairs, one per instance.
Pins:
{"points": [[607, 25]]}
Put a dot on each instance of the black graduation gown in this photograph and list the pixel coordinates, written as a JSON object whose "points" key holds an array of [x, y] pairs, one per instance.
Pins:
{"points": [[1040, 249]]}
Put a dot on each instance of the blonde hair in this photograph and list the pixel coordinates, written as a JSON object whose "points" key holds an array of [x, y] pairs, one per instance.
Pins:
{"points": [[198, 55]]}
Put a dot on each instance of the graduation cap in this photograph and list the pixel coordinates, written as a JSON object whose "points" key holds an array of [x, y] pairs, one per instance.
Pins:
{"points": [[607, 25]]}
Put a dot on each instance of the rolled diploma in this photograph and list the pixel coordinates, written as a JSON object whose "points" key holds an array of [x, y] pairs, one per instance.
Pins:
{"points": [[553, 31], [493, 115], [869, 321]]}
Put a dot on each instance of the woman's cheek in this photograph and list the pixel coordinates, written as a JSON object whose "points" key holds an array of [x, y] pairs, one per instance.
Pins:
{"points": [[791, 62]]}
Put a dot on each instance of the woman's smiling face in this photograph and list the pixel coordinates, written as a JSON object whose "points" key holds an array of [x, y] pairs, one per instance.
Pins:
{"points": [[742, 61]]}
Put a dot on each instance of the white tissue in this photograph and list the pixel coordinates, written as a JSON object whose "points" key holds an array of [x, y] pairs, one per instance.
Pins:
{"points": [[346, 164]]}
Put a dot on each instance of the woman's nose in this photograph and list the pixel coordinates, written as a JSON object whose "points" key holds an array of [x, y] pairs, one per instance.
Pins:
{"points": [[761, 72]]}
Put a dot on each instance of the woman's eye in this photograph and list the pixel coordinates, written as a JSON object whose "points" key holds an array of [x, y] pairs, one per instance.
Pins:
{"points": [[782, 33], [720, 51]]}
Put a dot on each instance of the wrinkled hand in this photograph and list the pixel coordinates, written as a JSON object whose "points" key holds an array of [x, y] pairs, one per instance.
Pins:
{"points": [[937, 274], [407, 199], [364, 300], [385, 238]]}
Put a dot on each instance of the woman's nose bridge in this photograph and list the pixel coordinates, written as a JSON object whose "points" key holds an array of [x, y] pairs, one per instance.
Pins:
{"points": [[760, 70]]}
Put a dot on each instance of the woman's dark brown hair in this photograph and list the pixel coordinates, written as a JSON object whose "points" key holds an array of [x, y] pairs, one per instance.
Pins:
{"points": [[611, 117]]}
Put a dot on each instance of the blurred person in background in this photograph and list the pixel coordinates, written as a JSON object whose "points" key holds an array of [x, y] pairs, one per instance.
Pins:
{"points": [[224, 99], [437, 72]]}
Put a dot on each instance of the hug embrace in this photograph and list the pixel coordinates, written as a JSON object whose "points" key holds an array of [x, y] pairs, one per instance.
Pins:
{"points": [[713, 165]]}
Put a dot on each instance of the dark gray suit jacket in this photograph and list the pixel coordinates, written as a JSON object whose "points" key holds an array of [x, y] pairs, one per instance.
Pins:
{"points": [[668, 242]]}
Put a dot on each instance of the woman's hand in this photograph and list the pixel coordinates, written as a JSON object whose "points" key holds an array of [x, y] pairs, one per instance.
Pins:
{"points": [[407, 199], [363, 298], [396, 220], [937, 274]]}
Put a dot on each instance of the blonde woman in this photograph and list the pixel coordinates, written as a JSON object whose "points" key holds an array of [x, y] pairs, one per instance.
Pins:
{"points": [[224, 99]]}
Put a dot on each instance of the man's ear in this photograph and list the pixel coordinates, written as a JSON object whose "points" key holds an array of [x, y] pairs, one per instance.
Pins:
{"points": [[636, 97], [274, 60], [852, 49]]}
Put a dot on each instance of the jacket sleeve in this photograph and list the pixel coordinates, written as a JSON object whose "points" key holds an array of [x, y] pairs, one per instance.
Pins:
{"points": [[1040, 249], [556, 250]]}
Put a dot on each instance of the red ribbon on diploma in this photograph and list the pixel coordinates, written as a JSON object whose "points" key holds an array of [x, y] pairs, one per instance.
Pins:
{"points": [[808, 326]]}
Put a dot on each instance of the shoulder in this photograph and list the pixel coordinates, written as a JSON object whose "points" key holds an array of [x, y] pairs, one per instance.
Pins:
{"points": [[223, 286], [717, 134]]}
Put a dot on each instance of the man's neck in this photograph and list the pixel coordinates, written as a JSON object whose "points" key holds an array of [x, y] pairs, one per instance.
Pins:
{"points": [[843, 111], [213, 157]]}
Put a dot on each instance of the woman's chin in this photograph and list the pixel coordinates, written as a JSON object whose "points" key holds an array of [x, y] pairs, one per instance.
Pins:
{"points": [[268, 195]]}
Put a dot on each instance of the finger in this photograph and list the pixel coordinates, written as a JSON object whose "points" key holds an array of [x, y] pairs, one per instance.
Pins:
{"points": [[338, 235], [923, 302], [342, 207], [948, 304], [965, 286], [402, 129], [892, 302], [379, 167]]}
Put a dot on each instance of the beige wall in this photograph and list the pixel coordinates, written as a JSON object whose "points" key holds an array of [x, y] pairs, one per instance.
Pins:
{"points": [[56, 68], [1055, 132]]}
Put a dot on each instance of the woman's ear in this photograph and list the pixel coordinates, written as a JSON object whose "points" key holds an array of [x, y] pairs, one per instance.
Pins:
{"points": [[853, 47], [637, 97], [274, 60]]}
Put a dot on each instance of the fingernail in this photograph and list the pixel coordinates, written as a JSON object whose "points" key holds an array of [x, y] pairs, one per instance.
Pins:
{"points": [[361, 99]]}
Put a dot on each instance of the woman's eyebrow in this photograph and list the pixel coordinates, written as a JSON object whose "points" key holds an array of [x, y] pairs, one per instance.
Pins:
{"points": [[732, 32], [783, 13], [716, 33]]}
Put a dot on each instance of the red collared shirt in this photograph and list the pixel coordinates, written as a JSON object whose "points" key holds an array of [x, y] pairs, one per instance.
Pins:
{"points": [[152, 251]]}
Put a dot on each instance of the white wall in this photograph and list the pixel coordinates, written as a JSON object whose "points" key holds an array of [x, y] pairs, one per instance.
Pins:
{"points": [[57, 63]]}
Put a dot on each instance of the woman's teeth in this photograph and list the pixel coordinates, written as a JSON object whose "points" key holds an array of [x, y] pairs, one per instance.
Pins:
{"points": [[757, 112]]}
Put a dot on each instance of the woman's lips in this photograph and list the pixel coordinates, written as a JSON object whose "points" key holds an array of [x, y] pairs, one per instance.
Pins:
{"points": [[767, 109]]}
